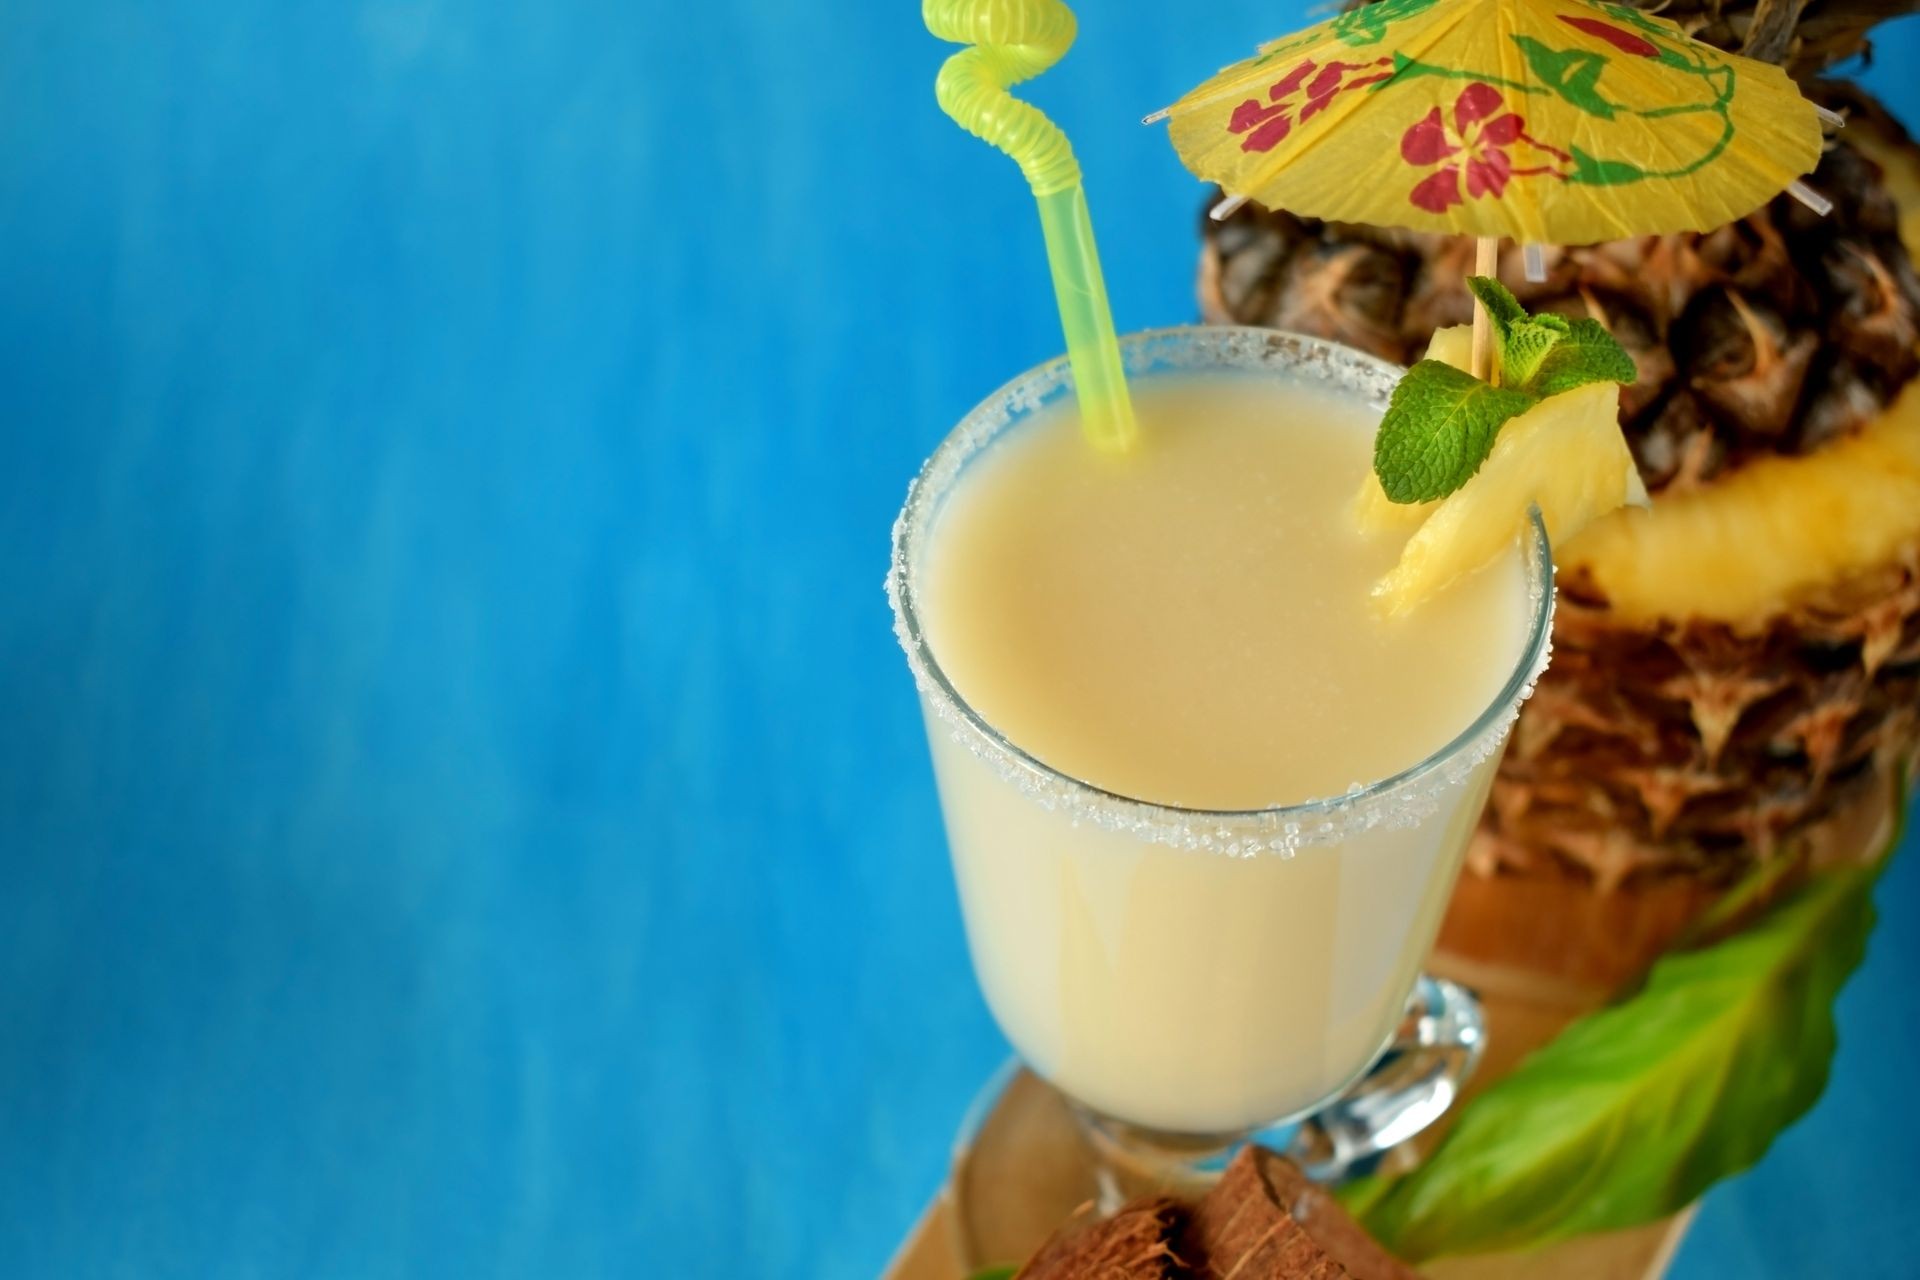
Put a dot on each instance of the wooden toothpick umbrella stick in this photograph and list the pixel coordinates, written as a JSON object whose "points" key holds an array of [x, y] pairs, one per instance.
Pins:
{"points": [[1486, 262]]}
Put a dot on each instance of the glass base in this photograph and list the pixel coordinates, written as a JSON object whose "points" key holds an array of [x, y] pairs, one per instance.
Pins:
{"points": [[1411, 1085], [1414, 1082]]}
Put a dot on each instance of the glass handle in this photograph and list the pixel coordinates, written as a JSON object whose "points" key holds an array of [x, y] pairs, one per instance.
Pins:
{"points": [[1412, 1085]]}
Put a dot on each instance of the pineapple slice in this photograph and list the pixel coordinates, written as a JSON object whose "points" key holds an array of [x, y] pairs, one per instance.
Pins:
{"points": [[1373, 511], [1565, 455], [1452, 345], [1755, 543], [1748, 545]]}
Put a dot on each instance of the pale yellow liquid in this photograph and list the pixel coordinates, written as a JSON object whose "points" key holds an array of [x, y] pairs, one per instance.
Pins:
{"points": [[1190, 624]]}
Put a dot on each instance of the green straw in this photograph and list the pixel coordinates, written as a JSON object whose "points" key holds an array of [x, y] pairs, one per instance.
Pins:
{"points": [[1011, 41]]}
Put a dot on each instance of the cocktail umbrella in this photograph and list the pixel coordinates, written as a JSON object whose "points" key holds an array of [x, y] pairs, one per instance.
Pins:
{"points": [[1547, 121]]}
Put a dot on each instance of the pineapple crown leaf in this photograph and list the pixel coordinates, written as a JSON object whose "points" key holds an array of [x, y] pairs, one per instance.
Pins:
{"points": [[1441, 422], [1666, 1108]]}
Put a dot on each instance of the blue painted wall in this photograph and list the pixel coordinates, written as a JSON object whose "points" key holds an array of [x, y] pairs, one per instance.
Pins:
{"points": [[461, 809]]}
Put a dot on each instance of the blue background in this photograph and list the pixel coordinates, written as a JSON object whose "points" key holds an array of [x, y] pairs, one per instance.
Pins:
{"points": [[461, 809]]}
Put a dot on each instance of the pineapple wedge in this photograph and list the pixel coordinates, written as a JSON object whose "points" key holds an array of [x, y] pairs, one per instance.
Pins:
{"points": [[1373, 511], [1753, 543], [1452, 345], [1565, 455]]}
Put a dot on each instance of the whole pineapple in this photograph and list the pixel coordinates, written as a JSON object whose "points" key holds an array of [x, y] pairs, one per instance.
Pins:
{"points": [[1732, 667]]}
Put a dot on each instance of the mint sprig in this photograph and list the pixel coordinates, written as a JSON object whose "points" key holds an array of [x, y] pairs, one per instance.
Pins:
{"points": [[1441, 422], [1586, 353], [1438, 429]]}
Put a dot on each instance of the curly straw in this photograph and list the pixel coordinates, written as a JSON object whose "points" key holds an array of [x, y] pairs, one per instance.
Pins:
{"points": [[1011, 41]]}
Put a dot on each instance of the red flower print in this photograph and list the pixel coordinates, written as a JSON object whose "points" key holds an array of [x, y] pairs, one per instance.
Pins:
{"points": [[1624, 41], [1266, 124], [1475, 148]]}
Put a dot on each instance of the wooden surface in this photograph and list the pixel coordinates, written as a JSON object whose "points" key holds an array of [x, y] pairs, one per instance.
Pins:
{"points": [[1025, 1172]]}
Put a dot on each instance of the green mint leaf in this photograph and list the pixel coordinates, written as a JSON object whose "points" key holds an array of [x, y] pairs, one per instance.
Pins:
{"points": [[1524, 340], [1588, 353], [1438, 428], [1502, 307], [1634, 1111], [1525, 348]]}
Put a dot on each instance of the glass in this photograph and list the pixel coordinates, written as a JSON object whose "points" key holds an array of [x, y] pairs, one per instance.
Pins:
{"points": [[1305, 925]]}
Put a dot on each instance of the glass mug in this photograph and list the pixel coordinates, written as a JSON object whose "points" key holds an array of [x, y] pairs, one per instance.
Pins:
{"points": [[1190, 978]]}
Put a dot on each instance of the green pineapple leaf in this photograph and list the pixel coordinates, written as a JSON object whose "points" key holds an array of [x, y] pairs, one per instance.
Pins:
{"points": [[1634, 1111]]}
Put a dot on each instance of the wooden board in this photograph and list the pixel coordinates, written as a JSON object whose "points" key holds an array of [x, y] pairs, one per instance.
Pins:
{"points": [[1026, 1170]]}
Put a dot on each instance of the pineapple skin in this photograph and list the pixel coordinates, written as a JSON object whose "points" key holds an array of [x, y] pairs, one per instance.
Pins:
{"points": [[1700, 747], [1760, 667]]}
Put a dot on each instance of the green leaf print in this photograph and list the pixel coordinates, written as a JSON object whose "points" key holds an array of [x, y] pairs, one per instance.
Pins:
{"points": [[1596, 172], [1574, 74], [1407, 68], [1634, 18], [1368, 24]]}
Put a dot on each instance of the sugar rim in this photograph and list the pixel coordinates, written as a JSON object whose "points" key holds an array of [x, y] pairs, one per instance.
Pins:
{"points": [[1402, 800]]}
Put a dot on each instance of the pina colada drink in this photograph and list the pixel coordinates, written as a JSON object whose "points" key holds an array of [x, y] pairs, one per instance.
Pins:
{"points": [[1191, 623], [1141, 671]]}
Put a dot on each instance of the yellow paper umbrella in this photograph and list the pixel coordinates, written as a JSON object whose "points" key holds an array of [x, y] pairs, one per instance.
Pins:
{"points": [[1555, 121]]}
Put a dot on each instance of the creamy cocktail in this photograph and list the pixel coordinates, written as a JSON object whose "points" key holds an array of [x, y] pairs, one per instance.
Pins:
{"points": [[1205, 803]]}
